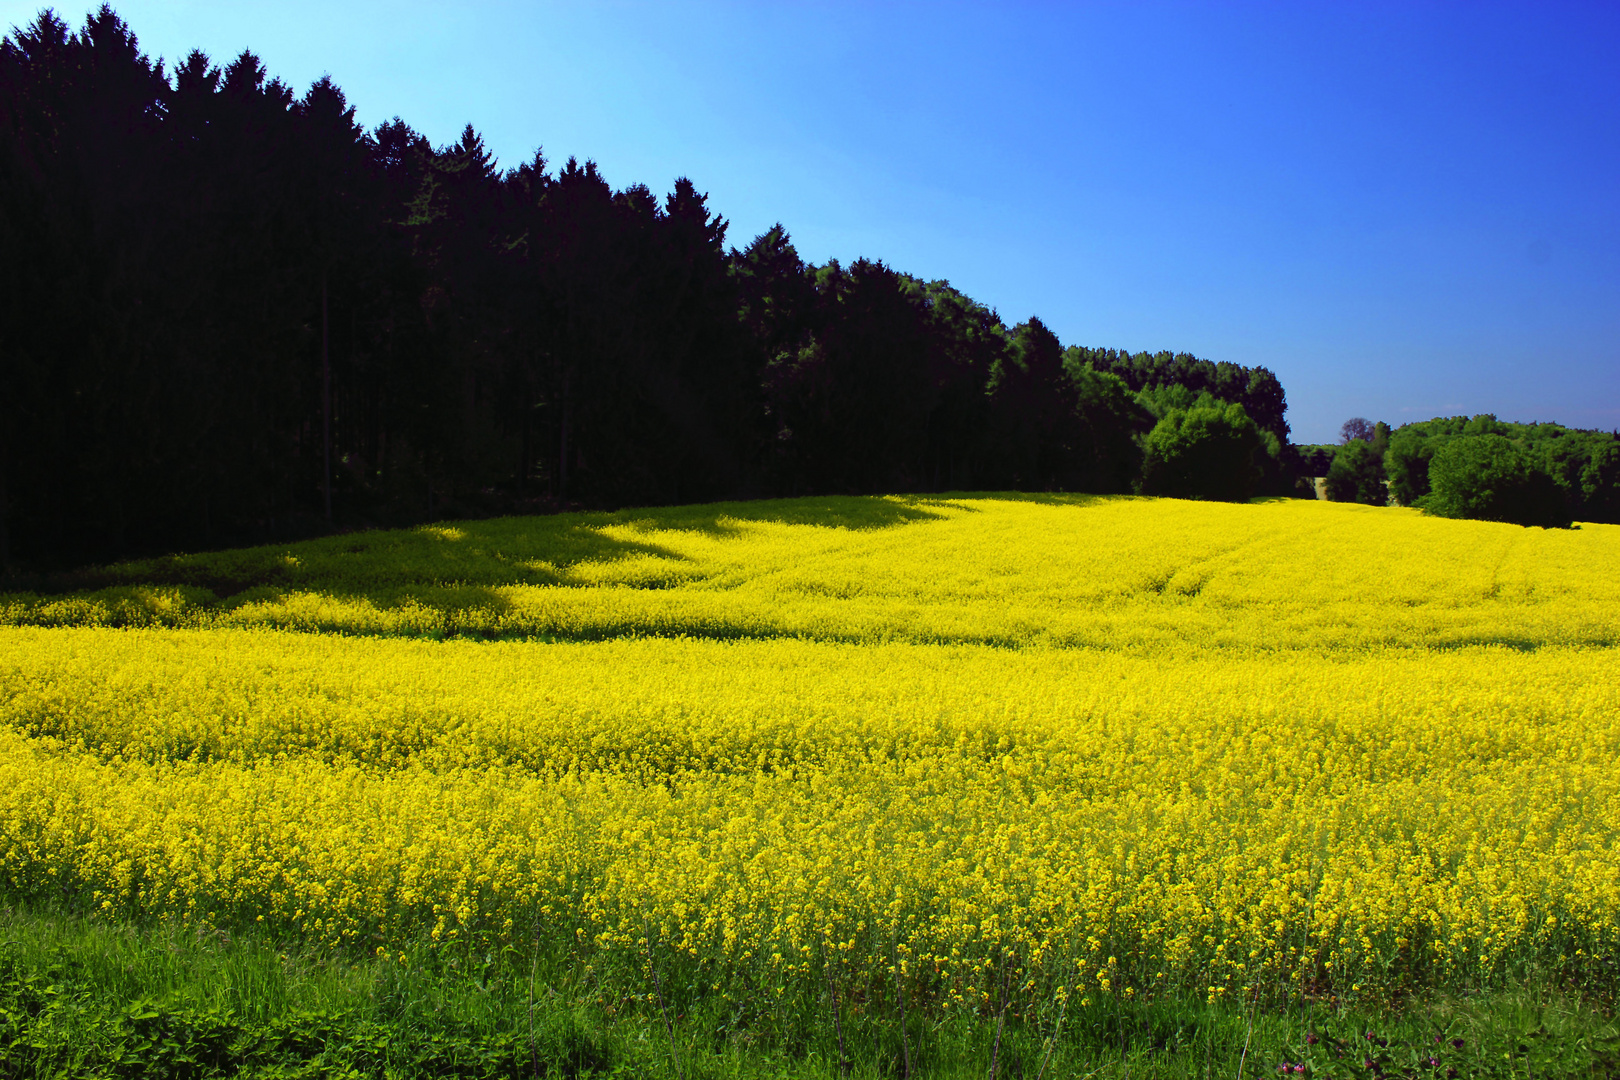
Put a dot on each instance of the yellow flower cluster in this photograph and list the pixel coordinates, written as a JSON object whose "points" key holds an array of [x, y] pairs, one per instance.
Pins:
{"points": [[1324, 745]]}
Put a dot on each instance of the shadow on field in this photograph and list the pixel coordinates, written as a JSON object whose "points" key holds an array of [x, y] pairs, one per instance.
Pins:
{"points": [[454, 565], [856, 512]]}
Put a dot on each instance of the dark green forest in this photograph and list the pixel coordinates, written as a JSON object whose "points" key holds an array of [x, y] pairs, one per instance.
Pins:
{"points": [[232, 315], [1478, 467]]}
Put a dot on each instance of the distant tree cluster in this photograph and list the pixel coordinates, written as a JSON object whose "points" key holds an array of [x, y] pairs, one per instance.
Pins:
{"points": [[232, 315], [1356, 473], [1481, 467]]}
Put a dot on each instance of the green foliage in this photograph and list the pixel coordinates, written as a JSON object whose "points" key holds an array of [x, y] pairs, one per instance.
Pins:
{"points": [[1158, 375], [1314, 459], [1411, 448], [1357, 475], [1584, 466], [64, 1012], [1159, 400], [1033, 403], [1489, 478], [1111, 420], [1526, 1039], [1205, 452], [1357, 471], [81, 998]]}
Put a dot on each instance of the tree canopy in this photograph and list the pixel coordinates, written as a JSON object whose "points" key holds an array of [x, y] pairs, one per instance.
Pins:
{"points": [[232, 315], [1482, 467], [1207, 451], [1488, 477]]}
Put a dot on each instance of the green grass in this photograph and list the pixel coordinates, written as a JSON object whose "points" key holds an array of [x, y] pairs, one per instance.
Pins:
{"points": [[84, 998]]}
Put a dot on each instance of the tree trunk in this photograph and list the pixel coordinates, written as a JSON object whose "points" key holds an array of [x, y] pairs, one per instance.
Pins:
{"points": [[5, 535], [562, 450], [523, 448], [326, 406]]}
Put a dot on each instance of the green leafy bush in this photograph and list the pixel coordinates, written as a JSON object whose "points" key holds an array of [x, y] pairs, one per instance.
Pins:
{"points": [[1357, 471], [1489, 478], [1205, 452], [1584, 465]]}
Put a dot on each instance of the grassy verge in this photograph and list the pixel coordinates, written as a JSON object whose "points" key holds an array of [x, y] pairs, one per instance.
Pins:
{"points": [[84, 998]]}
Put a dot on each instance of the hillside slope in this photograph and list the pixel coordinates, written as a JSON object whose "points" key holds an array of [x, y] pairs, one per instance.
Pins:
{"points": [[1008, 570]]}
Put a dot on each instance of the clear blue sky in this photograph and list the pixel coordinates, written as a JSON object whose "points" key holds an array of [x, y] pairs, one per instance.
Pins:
{"points": [[1404, 209]]}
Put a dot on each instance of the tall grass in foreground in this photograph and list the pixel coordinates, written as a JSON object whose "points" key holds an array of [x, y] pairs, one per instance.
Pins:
{"points": [[83, 998]]}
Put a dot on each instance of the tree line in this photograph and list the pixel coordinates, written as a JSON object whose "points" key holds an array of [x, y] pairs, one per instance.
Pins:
{"points": [[233, 315], [1478, 467]]}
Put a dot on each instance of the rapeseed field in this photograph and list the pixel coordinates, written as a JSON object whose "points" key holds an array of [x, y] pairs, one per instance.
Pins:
{"points": [[962, 749]]}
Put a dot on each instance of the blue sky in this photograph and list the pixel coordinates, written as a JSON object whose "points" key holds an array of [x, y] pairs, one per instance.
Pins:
{"points": [[1405, 210]]}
